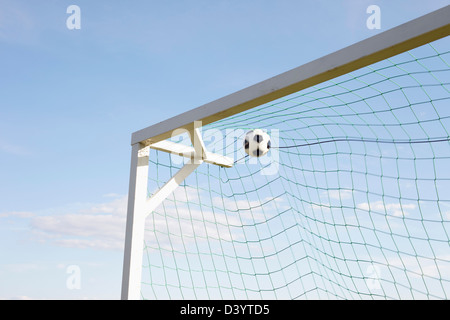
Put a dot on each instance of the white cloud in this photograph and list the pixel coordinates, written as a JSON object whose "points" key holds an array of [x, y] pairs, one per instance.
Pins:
{"points": [[21, 298], [13, 149], [17, 24], [394, 209], [446, 215], [251, 211], [100, 226], [112, 195], [19, 214], [181, 222], [418, 267], [184, 222], [341, 194], [20, 267]]}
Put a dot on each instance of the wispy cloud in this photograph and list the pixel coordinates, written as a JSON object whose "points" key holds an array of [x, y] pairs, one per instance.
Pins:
{"points": [[419, 267], [394, 209], [19, 214], [183, 221], [13, 149], [180, 222], [100, 226], [21, 298], [16, 22], [341, 194]]}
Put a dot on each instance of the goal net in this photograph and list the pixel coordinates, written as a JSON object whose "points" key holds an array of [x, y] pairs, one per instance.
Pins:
{"points": [[352, 201]]}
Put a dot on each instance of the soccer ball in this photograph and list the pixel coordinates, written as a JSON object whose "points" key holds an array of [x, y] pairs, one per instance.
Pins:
{"points": [[256, 143]]}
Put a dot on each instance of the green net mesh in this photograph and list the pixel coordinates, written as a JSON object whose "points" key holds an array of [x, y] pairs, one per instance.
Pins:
{"points": [[352, 201]]}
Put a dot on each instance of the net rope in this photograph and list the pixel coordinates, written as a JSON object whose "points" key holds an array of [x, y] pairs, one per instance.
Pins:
{"points": [[351, 202]]}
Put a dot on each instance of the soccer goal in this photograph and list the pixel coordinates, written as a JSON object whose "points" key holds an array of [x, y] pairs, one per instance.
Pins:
{"points": [[349, 200]]}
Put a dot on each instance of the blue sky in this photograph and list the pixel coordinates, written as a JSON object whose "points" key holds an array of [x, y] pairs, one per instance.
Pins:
{"points": [[70, 99]]}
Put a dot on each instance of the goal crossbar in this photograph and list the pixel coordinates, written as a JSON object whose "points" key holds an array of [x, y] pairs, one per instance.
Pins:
{"points": [[409, 35]]}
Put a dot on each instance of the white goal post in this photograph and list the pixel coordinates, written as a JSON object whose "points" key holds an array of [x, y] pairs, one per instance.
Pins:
{"points": [[425, 29]]}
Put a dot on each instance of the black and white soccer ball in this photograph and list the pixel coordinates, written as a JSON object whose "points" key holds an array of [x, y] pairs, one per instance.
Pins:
{"points": [[256, 143]]}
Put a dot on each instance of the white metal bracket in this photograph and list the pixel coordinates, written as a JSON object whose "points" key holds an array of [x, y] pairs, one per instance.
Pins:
{"points": [[197, 154], [139, 206]]}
